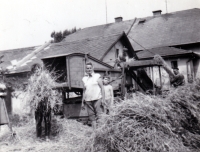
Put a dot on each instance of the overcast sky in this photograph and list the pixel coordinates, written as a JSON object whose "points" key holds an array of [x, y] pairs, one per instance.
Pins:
{"points": [[25, 23]]}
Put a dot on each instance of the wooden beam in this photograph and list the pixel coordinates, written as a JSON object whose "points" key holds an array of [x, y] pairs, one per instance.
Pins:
{"points": [[160, 76], [68, 72], [123, 81], [153, 80], [143, 63]]}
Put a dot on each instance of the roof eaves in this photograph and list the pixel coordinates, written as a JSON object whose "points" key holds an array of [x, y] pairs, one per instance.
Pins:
{"points": [[168, 56]]}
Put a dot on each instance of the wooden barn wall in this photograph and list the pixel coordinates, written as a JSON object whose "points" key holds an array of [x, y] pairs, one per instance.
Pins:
{"points": [[76, 67], [74, 110], [77, 70]]}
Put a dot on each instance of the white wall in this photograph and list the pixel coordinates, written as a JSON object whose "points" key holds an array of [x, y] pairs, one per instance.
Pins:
{"points": [[165, 77], [111, 55], [19, 103]]}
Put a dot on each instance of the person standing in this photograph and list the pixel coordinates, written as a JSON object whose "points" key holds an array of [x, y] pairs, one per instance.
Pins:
{"points": [[109, 98], [43, 108], [178, 79], [93, 94]]}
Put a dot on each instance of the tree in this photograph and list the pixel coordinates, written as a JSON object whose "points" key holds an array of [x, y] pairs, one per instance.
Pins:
{"points": [[59, 36]]}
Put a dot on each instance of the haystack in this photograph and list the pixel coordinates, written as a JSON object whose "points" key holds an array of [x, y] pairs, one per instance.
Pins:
{"points": [[42, 86], [153, 124]]}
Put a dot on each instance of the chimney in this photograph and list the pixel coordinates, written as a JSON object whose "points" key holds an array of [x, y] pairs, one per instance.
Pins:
{"points": [[118, 19], [157, 13]]}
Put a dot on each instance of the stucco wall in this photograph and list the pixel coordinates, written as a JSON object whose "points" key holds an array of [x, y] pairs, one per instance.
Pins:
{"points": [[165, 77], [19, 103], [111, 55]]}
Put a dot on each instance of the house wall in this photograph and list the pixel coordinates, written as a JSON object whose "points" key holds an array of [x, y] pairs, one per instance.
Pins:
{"points": [[111, 55], [182, 65]]}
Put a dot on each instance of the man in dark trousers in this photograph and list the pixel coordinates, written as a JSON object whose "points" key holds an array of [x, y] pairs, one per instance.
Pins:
{"points": [[178, 79], [43, 109], [93, 94]]}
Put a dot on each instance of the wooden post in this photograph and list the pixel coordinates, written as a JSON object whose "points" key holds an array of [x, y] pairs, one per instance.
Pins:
{"points": [[68, 73], [192, 70], [160, 76], [153, 81], [123, 82]]}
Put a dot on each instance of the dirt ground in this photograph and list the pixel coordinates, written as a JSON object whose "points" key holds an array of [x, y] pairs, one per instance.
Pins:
{"points": [[67, 135]]}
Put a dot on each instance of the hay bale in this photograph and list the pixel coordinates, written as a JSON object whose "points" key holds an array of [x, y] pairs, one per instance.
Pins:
{"points": [[148, 123]]}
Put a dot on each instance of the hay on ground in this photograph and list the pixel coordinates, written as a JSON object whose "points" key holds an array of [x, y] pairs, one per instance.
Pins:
{"points": [[67, 135], [149, 123]]}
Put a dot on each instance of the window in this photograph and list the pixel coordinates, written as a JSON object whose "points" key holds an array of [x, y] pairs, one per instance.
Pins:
{"points": [[117, 53], [174, 64]]}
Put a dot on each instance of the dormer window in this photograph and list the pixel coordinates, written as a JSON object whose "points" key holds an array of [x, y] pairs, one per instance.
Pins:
{"points": [[117, 53], [142, 21]]}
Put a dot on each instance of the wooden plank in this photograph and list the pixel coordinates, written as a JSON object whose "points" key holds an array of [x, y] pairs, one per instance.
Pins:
{"points": [[68, 73], [123, 83], [160, 77], [73, 100], [153, 81], [192, 69], [104, 69], [76, 64], [142, 63]]}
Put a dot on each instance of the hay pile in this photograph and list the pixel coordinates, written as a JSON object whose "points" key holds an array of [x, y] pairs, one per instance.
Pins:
{"points": [[67, 135], [153, 124], [42, 86]]}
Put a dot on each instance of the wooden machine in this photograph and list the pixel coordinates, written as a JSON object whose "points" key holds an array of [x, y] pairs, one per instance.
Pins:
{"points": [[70, 69]]}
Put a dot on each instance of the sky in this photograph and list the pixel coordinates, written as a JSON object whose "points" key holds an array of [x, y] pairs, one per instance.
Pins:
{"points": [[26, 23]]}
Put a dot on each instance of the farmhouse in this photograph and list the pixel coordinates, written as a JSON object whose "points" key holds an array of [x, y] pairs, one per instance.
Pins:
{"points": [[174, 36]]}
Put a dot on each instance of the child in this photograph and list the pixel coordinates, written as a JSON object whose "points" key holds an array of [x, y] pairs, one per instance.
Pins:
{"points": [[108, 94]]}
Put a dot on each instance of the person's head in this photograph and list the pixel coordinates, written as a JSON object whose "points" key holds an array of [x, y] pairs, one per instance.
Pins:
{"points": [[106, 80], [36, 69], [176, 71], [89, 69]]}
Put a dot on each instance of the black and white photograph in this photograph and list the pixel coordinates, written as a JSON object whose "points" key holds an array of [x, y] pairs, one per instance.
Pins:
{"points": [[99, 75]]}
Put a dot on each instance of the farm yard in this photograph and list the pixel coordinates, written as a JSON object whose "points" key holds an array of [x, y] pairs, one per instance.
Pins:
{"points": [[127, 86], [140, 123]]}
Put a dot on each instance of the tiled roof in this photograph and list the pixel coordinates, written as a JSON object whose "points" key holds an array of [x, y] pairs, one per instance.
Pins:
{"points": [[100, 30], [15, 54], [162, 51], [166, 30], [171, 29], [96, 47]]}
